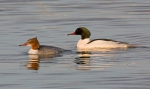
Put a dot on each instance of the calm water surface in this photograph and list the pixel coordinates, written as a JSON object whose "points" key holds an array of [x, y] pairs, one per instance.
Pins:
{"points": [[51, 21]]}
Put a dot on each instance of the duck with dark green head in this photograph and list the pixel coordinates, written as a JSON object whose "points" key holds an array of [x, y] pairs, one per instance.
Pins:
{"points": [[85, 43]]}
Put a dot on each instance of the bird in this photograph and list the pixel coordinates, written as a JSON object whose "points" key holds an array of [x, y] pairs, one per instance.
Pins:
{"points": [[36, 48], [86, 43]]}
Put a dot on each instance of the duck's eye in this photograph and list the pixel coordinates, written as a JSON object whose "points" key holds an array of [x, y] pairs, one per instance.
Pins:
{"points": [[79, 32]]}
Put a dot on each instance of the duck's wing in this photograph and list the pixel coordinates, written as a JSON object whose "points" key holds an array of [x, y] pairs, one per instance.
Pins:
{"points": [[119, 42], [49, 50]]}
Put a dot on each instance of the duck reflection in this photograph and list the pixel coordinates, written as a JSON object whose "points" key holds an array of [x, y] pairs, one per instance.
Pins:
{"points": [[83, 58], [34, 61], [88, 60]]}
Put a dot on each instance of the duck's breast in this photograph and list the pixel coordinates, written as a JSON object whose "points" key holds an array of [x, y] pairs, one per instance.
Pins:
{"points": [[82, 43]]}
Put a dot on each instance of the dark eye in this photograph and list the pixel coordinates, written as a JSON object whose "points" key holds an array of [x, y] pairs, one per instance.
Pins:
{"points": [[78, 31]]}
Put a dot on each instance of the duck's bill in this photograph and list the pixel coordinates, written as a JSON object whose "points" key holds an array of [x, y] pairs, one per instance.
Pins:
{"points": [[72, 33], [25, 44]]}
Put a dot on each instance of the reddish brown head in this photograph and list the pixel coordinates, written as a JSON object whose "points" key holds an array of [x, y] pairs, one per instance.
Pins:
{"points": [[33, 42]]}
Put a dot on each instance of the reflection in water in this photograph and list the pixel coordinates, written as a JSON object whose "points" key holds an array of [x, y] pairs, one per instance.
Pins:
{"points": [[84, 58], [85, 61], [33, 63]]}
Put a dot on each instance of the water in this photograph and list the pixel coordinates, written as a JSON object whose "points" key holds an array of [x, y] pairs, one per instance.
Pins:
{"points": [[51, 21]]}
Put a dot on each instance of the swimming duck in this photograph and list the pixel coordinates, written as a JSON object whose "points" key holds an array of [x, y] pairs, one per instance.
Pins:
{"points": [[86, 43], [36, 48]]}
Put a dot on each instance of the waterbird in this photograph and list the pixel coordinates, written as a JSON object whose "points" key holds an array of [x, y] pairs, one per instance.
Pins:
{"points": [[86, 43], [36, 48]]}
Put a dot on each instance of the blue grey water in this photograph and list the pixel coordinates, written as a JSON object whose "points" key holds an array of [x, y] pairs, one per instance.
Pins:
{"points": [[51, 21]]}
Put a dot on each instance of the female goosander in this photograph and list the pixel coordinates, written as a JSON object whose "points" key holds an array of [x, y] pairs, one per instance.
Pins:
{"points": [[85, 43], [36, 48]]}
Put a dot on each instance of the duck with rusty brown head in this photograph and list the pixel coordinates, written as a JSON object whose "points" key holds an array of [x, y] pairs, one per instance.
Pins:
{"points": [[36, 48]]}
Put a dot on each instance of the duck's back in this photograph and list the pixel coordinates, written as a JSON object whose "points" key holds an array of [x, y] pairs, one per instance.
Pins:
{"points": [[49, 49]]}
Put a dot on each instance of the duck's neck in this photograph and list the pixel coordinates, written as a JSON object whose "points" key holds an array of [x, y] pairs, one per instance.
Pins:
{"points": [[82, 43], [85, 33], [34, 48], [85, 36], [35, 45]]}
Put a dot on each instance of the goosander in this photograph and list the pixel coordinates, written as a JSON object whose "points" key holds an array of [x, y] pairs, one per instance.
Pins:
{"points": [[85, 43], [36, 48]]}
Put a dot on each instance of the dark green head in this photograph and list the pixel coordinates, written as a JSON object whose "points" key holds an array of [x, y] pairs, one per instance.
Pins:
{"points": [[84, 32]]}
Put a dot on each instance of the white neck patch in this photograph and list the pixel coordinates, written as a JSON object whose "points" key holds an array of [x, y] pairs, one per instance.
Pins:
{"points": [[31, 51], [82, 43]]}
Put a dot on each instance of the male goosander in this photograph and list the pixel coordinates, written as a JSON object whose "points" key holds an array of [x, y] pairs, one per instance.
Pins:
{"points": [[36, 48], [85, 43]]}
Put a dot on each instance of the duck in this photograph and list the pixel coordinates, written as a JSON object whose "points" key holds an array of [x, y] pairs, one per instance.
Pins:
{"points": [[36, 48], [86, 43]]}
